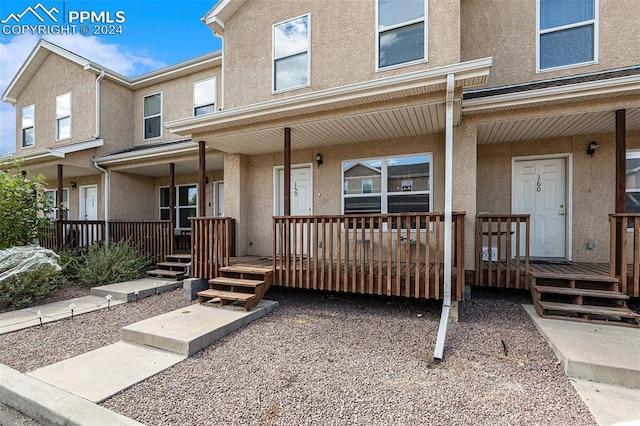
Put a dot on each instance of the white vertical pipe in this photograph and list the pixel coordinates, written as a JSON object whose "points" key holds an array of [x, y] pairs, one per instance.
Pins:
{"points": [[448, 191]]}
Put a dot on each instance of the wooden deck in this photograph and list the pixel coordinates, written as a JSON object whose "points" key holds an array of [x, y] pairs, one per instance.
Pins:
{"points": [[376, 278]]}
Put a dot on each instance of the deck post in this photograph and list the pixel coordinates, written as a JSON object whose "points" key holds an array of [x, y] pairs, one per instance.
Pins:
{"points": [[287, 171], [172, 203], [60, 206], [202, 179], [621, 167]]}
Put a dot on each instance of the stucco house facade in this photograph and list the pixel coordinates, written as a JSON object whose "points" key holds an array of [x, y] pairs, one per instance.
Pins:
{"points": [[375, 107]]}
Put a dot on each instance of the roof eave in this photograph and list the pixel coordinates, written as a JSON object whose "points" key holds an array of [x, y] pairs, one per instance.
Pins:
{"points": [[126, 157], [465, 71]]}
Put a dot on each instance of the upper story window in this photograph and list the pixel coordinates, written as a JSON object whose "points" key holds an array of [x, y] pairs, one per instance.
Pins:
{"points": [[153, 116], [387, 185], [204, 96], [291, 54], [28, 125], [63, 116], [567, 33], [401, 35]]}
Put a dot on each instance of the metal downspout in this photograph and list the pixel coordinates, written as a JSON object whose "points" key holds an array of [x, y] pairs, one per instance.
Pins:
{"points": [[95, 163], [448, 191]]}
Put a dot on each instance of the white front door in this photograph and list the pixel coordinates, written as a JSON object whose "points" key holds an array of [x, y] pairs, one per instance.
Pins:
{"points": [[218, 196], [539, 189], [88, 211], [301, 195]]}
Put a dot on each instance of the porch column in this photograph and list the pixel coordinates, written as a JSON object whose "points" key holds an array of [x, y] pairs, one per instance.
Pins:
{"points": [[621, 172], [172, 202], [287, 171], [465, 164], [202, 197], [60, 206], [236, 194]]}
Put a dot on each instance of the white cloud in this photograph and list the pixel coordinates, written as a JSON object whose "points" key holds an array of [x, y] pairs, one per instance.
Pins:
{"points": [[121, 59]]}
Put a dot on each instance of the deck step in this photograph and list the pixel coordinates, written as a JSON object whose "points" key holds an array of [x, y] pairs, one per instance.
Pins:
{"points": [[236, 282], [227, 295], [170, 265], [243, 269], [574, 277], [581, 292], [165, 273], [180, 258], [601, 311]]}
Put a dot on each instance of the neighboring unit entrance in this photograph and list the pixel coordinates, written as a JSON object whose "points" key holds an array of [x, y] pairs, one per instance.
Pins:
{"points": [[539, 189], [301, 195], [89, 211], [218, 197]]}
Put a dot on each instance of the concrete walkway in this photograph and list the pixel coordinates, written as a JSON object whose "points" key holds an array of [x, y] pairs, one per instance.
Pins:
{"points": [[603, 362], [120, 293]]}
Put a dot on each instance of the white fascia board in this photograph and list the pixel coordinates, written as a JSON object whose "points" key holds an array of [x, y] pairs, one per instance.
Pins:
{"points": [[126, 157], [81, 146], [430, 77], [591, 88], [35, 155]]}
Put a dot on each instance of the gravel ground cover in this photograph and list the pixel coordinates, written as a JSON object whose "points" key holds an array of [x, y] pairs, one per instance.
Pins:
{"points": [[347, 360]]}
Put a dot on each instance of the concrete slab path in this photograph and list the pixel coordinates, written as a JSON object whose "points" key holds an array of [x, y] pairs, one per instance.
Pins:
{"points": [[602, 361], [145, 287]]}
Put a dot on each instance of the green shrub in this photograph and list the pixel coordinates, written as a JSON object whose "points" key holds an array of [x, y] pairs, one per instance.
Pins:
{"points": [[101, 265], [24, 288]]}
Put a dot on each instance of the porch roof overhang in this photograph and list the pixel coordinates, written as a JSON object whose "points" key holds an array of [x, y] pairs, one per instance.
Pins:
{"points": [[38, 155], [388, 107], [568, 106]]}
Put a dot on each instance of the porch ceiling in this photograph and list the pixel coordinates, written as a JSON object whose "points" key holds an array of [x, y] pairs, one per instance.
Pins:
{"points": [[393, 123], [182, 167], [554, 126], [50, 171]]}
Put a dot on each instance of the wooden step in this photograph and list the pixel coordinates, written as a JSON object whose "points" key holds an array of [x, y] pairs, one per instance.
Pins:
{"points": [[589, 310], [242, 269], [180, 258], [236, 282], [581, 292], [171, 265], [249, 300], [165, 273], [574, 277]]}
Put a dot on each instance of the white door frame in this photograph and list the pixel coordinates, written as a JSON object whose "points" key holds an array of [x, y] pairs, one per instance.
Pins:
{"points": [[82, 194], [216, 191], [276, 184], [568, 157]]}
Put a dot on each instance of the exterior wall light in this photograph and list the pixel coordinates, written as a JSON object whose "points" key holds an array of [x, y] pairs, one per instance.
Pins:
{"points": [[319, 159], [592, 148], [73, 184]]}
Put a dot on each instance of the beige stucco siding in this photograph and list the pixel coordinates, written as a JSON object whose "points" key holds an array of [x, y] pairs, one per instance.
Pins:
{"points": [[116, 117], [177, 102], [74, 194], [342, 45], [57, 76], [507, 32]]}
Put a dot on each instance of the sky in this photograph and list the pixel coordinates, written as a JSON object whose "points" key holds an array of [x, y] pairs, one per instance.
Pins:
{"points": [[142, 36]]}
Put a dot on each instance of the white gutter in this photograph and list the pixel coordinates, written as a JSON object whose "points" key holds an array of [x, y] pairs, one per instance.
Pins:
{"points": [[448, 191], [100, 77]]}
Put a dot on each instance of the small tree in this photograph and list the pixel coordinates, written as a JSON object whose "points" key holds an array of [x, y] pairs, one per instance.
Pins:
{"points": [[22, 205]]}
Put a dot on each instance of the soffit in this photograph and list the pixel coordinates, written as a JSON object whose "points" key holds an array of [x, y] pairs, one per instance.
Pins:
{"points": [[535, 128]]}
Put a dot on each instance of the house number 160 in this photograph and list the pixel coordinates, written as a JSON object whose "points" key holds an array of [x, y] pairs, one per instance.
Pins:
{"points": [[538, 185]]}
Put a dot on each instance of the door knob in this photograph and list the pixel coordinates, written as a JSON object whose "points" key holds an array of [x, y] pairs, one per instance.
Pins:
{"points": [[561, 213]]}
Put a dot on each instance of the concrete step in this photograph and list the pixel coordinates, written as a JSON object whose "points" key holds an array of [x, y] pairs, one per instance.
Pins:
{"points": [[145, 287], [186, 331]]}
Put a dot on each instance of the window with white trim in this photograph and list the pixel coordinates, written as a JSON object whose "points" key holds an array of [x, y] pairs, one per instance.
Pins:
{"points": [[186, 204], [398, 184], [291, 54], [632, 183], [567, 33], [51, 195], [153, 116], [401, 32], [204, 96], [63, 116], [28, 125]]}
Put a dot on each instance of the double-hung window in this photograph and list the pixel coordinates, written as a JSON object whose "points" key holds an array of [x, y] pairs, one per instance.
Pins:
{"points": [[51, 195], [204, 96], [153, 116], [401, 32], [387, 185], [28, 125], [291, 54], [567, 33], [632, 202], [186, 204], [63, 116]]}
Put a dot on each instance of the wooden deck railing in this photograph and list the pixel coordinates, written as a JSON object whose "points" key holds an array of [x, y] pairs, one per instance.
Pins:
{"points": [[151, 237], [213, 244], [392, 254], [625, 251], [502, 250]]}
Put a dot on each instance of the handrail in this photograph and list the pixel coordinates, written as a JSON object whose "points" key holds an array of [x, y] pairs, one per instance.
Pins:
{"points": [[212, 245], [387, 254], [501, 260], [624, 260]]}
